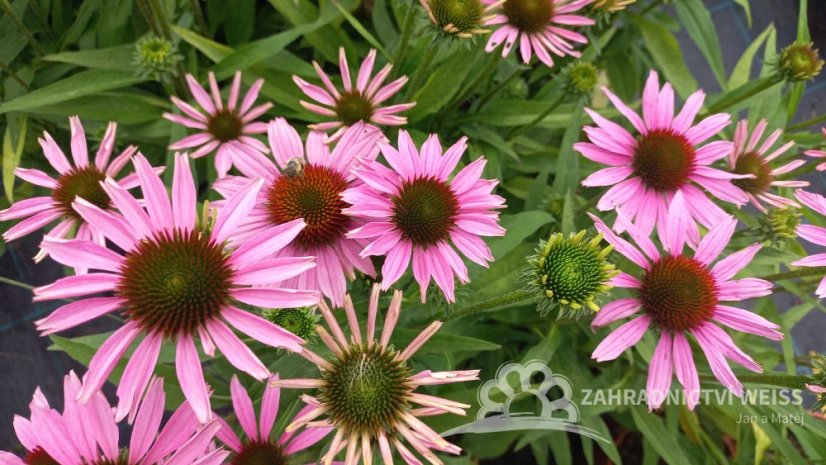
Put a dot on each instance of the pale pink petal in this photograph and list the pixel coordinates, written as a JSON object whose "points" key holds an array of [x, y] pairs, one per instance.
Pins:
{"points": [[621, 339]]}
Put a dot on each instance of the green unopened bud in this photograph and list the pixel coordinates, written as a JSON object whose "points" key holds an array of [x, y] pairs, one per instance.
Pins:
{"points": [[818, 383], [779, 225], [571, 273], [582, 78], [799, 62], [460, 18], [156, 57], [300, 321]]}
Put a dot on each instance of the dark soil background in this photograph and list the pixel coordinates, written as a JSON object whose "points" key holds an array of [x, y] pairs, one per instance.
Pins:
{"points": [[26, 362]]}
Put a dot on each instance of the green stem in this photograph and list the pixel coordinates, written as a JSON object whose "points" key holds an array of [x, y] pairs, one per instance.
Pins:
{"points": [[148, 17], [483, 76], [407, 29], [12, 282], [7, 9], [484, 98], [422, 69], [522, 129], [799, 273], [495, 303], [199, 16], [771, 379], [650, 7], [744, 92], [807, 123]]}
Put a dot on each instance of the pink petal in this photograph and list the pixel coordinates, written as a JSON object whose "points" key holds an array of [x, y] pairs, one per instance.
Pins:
{"points": [[685, 369], [262, 330], [659, 372], [191, 377], [104, 360], [236, 352], [621, 339], [242, 405], [616, 310]]}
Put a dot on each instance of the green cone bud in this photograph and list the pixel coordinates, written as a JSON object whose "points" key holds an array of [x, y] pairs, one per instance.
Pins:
{"points": [[156, 57], [799, 62], [299, 321]]}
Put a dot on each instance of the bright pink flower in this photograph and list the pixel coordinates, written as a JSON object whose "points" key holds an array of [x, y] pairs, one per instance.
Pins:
{"points": [[818, 154], [414, 211], [366, 391], [665, 158], [224, 129], [361, 102], [87, 433], [540, 27], [814, 234], [258, 444], [81, 180], [174, 281], [680, 295], [307, 181], [747, 158]]}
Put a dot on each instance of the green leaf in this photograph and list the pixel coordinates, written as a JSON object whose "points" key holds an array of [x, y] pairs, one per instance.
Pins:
{"points": [[567, 164], [125, 108], [75, 86], [442, 342], [84, 14], [211, 49], [519, 227], [658, 436], [444, 82], [742, 70], [697, 22], [253, 53], [117, 58], [11, 155], [747, 8], [361, 30], [666, 52]]}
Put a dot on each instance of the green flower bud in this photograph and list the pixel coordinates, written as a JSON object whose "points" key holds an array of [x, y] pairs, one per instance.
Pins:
{"points": [[799, 62], [778, 225], [156, 57], [300, 321], [582, 78], [571, 273]]}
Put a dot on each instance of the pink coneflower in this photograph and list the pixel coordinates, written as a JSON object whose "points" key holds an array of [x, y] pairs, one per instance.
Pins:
{"points": [[258, 446], [414, 212], [361, 102], [175, 280], [87, 434], [224, 129], [747, 159], [307, 181], [818, 154], [664, 159], [540, 27], [680, 295], [366, 390], [81, 180], [814, 234]]}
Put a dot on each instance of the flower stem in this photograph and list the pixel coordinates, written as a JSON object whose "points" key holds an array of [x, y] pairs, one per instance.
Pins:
{"points": [[483, 75], [12, 282], [807, 123], [746, 91], [522, 129], [495, 303], [407, 29], [199, 16], [772, 379], [484, 98], [799, 273], [422, 69]]}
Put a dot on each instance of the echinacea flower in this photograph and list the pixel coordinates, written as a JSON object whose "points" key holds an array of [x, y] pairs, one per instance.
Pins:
{"points": [[813, 234], [174, 280], [461, 18], [88, 433], [306, 182], [413, 212], [366, 390], [799, 62], [747, 158], [81, 180], [539, 27], [360, 102], [680, 295], [259, 446], [664, 158], [226, 129], [818, 154]]}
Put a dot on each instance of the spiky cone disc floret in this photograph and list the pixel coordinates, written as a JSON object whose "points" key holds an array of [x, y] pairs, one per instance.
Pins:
{"points": [[778, 226], [460, 18], [570, 274], [367, 390], [799, 62]]}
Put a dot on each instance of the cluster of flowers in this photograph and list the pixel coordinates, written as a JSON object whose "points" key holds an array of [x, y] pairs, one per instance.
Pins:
{"points": [[297, 221], [299, 218]]}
